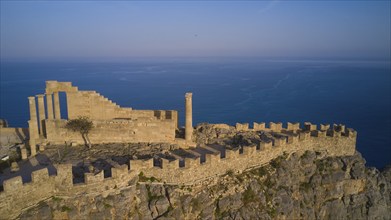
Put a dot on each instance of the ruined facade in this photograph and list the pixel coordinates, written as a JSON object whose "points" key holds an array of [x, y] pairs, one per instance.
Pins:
{"points": [[112, 123], [115, 124]]}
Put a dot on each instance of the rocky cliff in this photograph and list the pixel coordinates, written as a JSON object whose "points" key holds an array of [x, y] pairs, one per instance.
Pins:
{"points": [[306, 185]]}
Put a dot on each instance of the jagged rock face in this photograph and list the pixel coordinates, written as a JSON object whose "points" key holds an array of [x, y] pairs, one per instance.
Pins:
{"points": [[305, 186]]}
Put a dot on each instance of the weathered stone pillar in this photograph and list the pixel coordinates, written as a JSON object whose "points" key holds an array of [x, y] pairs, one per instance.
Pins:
{"points": [[49, 105], [41, 112], [33, 125], [57, 113], [23, 151], [189, 117]]}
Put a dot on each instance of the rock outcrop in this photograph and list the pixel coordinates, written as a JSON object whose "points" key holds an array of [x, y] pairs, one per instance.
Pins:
{"points": [[296, 186]]}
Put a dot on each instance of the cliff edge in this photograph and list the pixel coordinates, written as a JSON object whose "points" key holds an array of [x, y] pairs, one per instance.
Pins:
{"points": [[306, 186]]}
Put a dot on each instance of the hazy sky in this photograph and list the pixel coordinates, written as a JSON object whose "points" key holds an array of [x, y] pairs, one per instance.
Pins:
{"points": [[106, 29]]}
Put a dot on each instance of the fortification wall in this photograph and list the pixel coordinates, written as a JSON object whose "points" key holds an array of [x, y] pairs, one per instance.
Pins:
{"points": [[115, 131], [333, 142], [17, 195], [336, 141]]}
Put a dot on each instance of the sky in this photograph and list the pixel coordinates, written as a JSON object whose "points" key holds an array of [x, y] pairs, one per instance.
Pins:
{"points": [[50, 30]]}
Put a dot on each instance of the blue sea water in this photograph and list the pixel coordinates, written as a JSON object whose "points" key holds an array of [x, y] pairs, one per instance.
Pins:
{"points": [[355, 93]]}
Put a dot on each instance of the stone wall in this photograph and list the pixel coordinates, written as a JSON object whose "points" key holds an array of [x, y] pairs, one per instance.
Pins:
{"points": [[10, 136], [115, 131], [336, 141], [17, 195]]}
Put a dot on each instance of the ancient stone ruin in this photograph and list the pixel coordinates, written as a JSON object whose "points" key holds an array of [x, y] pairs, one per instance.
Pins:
{"points": [[113, 124]]}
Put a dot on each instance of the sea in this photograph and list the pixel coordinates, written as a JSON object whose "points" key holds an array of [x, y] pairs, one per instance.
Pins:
{"points": [[351, 92]]}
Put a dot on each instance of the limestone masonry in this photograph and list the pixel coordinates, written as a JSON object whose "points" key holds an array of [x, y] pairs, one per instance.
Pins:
{"points": [[115, 124]]}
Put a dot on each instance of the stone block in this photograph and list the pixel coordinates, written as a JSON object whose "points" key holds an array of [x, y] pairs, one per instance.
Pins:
{"points": [[119, 172], [41, 147], [293, 139], [304, 135], [320, 133], [324, 127], [23, 152], [249, 150], [293, 126], [242, 127], [13, 184], [334, 133], [141, 164], [167, 164], [212, 159], [231, 154], [308, 126], [259, 126], [351, 133], [265, 145], [192, 162], [339, 128], [93, 178], [14, 167], [279, 142], [276, 127], [41, 175]]}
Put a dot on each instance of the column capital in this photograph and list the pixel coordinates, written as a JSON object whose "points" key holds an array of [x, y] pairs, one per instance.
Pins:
{"points": [[31, 98], [189, 95], [40, 95]]}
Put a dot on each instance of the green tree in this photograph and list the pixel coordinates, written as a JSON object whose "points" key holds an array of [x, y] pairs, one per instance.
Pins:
{"points": [[83, 125]]}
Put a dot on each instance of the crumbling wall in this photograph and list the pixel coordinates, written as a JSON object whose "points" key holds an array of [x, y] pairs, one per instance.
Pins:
{"points": [[10, 136], [98, 107]]}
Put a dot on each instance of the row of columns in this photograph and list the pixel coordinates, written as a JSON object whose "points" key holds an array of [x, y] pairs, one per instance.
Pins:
{"points": [[53, 112]]}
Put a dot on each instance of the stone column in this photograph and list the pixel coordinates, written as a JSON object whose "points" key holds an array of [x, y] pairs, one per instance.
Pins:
{"points": [[189, 117], [57, 113], [33, 125], [41, 112], [49, 105], [23, 151]]}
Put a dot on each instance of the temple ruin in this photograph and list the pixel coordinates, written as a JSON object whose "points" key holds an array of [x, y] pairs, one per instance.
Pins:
{"points": [[112, 123]]}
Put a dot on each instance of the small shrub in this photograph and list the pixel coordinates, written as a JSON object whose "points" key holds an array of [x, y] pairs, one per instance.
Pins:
{"points": [[305, 155], [142, 178], [65, 209], [269, 183], [305, 186], [248, 196], [230, 173], [262, 171], [56, 199], [272, 212]]}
